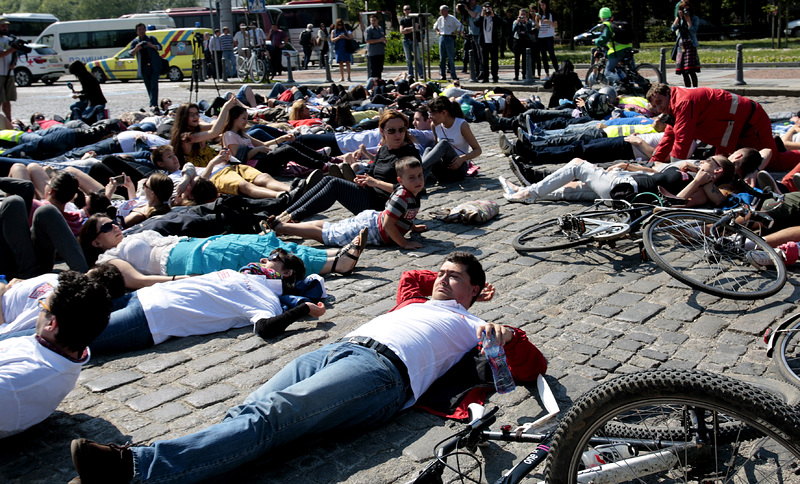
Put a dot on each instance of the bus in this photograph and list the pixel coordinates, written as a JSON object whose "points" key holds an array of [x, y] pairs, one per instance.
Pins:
{"points": [[300, 13], [28, 26], [190, 17], [88, 40]]}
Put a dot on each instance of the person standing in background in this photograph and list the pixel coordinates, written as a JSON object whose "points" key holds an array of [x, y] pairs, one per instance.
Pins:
{"points": [[307, 41], [277, 37], [229, 59], [324, 46], [147, 48], [8, 58], [215, 48], [447, 26], [376, 48], [687, 63], [490, 27], [407, 27], [547, 32], [471, 11]]}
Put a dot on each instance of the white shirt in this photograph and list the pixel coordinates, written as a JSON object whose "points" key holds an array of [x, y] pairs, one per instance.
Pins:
{"points": [[453, 135], [147, 251], [447, 26], [210, 303], [428, 337], [127, 140], [20, 306], [33, 381]]}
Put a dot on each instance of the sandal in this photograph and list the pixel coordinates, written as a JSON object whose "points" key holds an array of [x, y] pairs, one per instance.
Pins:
{"points": [[345, 251], [269, 224]]}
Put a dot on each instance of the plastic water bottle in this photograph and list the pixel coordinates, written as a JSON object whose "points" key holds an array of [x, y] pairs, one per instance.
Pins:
{"points": [[503, 381]]}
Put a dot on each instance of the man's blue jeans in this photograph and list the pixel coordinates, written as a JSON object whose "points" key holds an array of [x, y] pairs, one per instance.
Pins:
{"points": [[411, 57], [127, 328], [229, 60], [340, 385], [447, 56], [150, 79], [611, 67]]}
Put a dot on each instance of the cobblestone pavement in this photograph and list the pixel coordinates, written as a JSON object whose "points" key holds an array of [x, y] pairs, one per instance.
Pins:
{"points": [[594, 313]]}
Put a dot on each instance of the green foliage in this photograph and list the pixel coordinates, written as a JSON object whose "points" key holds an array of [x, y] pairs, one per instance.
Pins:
{"points": [[659, 32]]}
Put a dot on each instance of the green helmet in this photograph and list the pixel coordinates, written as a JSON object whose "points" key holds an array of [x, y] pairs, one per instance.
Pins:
{"points": [[605, 13]]}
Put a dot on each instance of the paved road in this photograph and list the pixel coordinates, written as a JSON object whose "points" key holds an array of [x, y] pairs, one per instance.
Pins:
{"points": [[594, 313]]}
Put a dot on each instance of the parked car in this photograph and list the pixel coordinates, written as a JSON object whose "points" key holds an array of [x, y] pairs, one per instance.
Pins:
{"points": [[176, 55], [793, 28], [42, 64], [587, 38]]}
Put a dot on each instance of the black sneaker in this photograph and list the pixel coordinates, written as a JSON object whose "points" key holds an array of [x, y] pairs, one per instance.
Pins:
{"points": [[102, 463], [492, 120]]}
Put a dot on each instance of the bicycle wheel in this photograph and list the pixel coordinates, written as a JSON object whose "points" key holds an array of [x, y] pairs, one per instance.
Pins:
{"points": [[766, 449], [786, 353], [646, 75], [572, 230], [259, 71], [242, 68], [267, 70], [680, 243], [596, 76]]}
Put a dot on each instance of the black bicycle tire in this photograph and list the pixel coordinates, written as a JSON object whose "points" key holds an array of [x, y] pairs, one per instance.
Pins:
{"points": [[520, 246], [732, 269], [782, 342], [653, 77], [755, 407], [255, 75], [627, 431], [600, 76]]}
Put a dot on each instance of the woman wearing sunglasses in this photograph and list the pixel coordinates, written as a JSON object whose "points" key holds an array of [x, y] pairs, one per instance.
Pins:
{"points": [[148, 257], [455, 143], [368, 191]]}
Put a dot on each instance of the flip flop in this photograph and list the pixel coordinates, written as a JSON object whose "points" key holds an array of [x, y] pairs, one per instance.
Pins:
{"points": [[345, 251], [506, 187], [347, 172]]}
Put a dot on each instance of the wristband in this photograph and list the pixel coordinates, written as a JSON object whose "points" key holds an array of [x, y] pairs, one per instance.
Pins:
{"points": [[173, 278]]}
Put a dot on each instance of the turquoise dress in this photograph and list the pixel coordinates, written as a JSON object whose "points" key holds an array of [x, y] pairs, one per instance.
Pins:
{"points": [[340, 48], [234, 251]]}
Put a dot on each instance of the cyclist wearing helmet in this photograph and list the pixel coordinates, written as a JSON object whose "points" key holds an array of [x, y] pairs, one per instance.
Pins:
{"points": [[616, 51]]}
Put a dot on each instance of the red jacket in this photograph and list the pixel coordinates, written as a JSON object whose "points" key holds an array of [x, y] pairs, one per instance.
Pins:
{"points": [[713, 116], [525, 360]]}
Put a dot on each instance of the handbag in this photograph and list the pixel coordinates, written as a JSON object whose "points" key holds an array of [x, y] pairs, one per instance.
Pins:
{"points": [[675, 50], [351, 45]]}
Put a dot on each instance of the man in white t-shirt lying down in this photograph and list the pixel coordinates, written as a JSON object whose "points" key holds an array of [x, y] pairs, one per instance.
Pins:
{"points": [[363, 379], [39, 370]]}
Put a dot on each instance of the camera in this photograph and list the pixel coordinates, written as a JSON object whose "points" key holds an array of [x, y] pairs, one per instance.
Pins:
{"points": [[119, 179], [685, 11], [461, 6], [19, 44]]}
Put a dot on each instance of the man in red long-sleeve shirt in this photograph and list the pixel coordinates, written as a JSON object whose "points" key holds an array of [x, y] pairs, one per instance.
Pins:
{"points": [[717, 117]]}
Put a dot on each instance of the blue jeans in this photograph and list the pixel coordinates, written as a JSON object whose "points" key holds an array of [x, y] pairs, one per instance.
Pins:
{"points": [[43, 147], [265, 133], [340, 385], [477, 107], [447, 56], [611, 67], [411, 56], [229, 61], [127, 328], [151, 83]]}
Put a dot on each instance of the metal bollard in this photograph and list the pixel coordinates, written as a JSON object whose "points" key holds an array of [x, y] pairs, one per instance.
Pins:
{"points": [[289, 67], [663, 65], [328, 69], [739, 67], [473, 68], [528, 68]]}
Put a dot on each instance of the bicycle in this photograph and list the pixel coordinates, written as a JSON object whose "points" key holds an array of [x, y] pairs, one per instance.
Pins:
{"points": [[631, 81], [653, 426], [783, 349], [704, 249], [254, 67]]}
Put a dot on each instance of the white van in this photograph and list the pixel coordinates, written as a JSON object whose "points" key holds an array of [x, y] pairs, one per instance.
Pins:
{"points": [[28, 26], [88, 40]]}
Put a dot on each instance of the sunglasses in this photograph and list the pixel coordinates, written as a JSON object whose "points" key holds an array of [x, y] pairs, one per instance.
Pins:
{"points": [[107, 227], [275, 256], [145, 185], [42, 305], [395, 130]]}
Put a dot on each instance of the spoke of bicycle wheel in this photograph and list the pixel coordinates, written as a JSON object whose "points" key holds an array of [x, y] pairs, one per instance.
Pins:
{"points": [[715, 261]]}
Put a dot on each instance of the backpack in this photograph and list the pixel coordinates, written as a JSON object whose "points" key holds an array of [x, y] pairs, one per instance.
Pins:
{"points": [[623, 34], [305, 38]]}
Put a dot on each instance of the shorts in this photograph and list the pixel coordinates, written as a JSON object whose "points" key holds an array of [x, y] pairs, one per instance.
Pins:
{"points": [[343, 232], [227, 179], [8, 89]]}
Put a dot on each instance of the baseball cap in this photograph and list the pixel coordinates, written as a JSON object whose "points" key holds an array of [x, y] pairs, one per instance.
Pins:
{"points": [[444, 7], [4, 21], [310, 26]]}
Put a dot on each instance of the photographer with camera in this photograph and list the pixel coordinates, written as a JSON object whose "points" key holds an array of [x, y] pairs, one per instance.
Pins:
{"points": [[470, 12], [524, 32], [9, 45], [490, 27], [687, 62]]}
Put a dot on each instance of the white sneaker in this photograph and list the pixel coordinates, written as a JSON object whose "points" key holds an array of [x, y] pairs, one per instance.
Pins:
{"points": [[760, 259]]}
